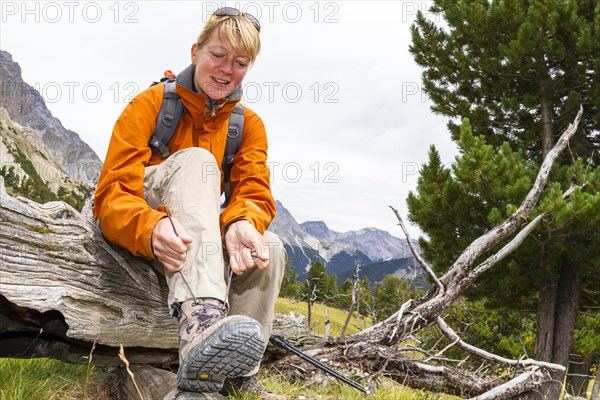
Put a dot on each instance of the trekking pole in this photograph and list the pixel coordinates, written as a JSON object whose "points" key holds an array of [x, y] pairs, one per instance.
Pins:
{"points": [[284, 344]]}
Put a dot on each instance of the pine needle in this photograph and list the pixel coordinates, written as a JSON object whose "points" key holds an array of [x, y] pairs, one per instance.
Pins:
{"points": [[124, 359]]}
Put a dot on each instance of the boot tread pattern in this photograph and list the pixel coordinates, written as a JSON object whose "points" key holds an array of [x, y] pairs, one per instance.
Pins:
{"points": [[233, 350]]}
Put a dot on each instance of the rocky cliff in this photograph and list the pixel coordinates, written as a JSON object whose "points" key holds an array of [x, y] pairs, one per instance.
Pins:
{"points": [[33, 170], [26, 107]]}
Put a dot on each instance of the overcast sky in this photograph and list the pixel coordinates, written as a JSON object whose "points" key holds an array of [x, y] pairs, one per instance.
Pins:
{"points": [[335, 85]]}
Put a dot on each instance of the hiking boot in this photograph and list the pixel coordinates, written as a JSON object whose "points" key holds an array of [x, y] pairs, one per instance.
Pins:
{"points": [[213, 347], [247, 386]]}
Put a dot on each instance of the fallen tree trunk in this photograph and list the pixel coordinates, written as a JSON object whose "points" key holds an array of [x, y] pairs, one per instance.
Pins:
{"points": [[59, 279], [64, 291]]}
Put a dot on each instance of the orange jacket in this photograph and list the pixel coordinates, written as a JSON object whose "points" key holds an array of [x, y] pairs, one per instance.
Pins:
{"points": [[119, 205]]}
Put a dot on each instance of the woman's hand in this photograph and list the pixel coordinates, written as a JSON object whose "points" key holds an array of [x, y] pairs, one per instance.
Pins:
{"points": [[169, 248], [246, 247]]}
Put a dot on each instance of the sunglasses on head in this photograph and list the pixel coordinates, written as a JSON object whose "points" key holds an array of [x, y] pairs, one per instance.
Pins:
{"points": [[234, 12]]}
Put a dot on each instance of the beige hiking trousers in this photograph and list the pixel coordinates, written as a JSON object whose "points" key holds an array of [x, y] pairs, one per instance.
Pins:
{"points": [[189, 182]]}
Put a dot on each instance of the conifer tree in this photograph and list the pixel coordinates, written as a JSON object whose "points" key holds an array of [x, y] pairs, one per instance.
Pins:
{"points": [[389, 295], [290, 287], [315, 286], [518, 70]]}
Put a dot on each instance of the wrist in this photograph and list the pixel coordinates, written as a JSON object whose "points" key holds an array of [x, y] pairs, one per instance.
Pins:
{"points": [[230, 224]]}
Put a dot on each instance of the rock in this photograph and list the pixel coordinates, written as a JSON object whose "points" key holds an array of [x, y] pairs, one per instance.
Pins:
{"points": [[177, 394], [153, 383]]}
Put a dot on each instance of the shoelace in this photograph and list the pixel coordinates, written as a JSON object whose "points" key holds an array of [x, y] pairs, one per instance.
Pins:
{"points": [[204, 318]]}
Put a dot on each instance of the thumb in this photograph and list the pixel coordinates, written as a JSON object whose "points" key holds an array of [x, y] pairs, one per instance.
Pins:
{"points": [[261, 256], [263, 252], [185, 238], [181, 233]]}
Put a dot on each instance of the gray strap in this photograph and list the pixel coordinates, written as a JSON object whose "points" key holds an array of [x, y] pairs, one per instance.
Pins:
{"points": [[234, 139], [167, 120]]}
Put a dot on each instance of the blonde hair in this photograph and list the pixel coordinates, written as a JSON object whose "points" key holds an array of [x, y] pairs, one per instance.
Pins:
{"points": [[238, 30]]}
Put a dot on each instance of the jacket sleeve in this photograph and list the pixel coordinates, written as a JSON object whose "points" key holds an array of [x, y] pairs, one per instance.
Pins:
{"points": [[119, 206], [251, 197]]}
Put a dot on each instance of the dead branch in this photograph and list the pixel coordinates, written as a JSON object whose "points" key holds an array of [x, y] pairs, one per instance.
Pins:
{"points": [[484, 243], [420, 259], [462, 273], [456, 340], [354, 300], [523, 383]]}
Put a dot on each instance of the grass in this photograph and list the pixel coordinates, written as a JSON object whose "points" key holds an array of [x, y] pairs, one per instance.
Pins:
{"points": [[328, 388], [337, 317], [43, 379]]}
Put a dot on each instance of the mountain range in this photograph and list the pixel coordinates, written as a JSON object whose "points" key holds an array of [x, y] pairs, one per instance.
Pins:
{"points": [[378, 252], [33, 142]]}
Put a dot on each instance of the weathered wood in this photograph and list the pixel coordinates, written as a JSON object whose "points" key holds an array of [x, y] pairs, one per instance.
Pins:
{"points": [[526, 382], [364, 361], [596, 387], [58, 274]]}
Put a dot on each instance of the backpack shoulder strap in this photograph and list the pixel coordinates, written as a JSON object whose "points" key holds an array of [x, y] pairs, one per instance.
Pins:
{"points": [[167, 120], [234, 139]]}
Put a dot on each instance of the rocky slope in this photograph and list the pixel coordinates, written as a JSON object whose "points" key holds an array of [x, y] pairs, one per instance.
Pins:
{"points": [[28, 165], [26, 107]]}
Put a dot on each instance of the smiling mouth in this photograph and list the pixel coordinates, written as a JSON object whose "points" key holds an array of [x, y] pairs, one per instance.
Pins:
{"points": [[220, 81]]}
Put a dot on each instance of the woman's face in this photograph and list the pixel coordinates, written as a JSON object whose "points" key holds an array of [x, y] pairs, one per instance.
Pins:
{"points": [[219, 70]]}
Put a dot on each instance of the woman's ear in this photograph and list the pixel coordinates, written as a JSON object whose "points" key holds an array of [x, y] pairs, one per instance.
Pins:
{"points": [[195, 49]]}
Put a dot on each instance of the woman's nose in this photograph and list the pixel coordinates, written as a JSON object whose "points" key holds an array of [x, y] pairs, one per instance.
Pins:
{"points": [[226, 67]]}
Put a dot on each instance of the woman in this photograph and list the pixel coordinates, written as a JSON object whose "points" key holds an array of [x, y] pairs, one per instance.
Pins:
{"points": [[139, 189]]}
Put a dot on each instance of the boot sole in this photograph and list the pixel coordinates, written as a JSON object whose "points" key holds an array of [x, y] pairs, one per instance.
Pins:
{"points": [[233, 350]]}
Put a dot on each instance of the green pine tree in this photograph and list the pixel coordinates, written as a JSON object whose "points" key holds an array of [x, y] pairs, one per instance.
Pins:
{"points": [[344, 297], [315, 286], [332, 290], [518, 70], [290, 287], [389, 295]]}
